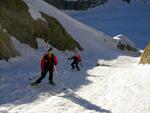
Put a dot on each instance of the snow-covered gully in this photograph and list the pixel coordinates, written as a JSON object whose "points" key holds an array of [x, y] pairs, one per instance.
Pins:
{"points": [[118, 85]]}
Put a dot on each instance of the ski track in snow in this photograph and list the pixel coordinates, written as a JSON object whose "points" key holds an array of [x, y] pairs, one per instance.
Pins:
{"points": [[18, 97], [120, 86]]}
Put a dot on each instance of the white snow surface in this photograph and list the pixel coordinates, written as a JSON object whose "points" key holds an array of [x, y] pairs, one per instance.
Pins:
{"points": [[117, 17], [119, 85]]}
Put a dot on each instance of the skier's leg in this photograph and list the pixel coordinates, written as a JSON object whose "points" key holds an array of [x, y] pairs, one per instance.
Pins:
{"points": [[43, 74], [72, 65], [50, 75], [77, 66]]}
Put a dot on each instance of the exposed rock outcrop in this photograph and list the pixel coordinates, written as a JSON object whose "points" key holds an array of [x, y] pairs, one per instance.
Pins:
{"points": [[124, 43], [54, 33], [7, 48], [76, 4], [81, 4], [145, 57], [16, 19]]}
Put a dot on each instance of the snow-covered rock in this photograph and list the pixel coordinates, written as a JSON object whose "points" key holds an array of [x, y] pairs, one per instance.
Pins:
{"points": [[26, 23], [124, 43], [89, 38]]}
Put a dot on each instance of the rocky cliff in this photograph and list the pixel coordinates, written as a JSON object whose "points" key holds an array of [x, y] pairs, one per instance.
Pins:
{"points": [[17, 21], [81, 4], [145, 57]]}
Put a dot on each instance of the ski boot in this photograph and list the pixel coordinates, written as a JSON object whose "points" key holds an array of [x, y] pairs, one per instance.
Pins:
{"points": [[34, 84], [52, 83]]}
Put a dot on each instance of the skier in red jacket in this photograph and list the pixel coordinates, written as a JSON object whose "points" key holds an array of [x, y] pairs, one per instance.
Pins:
{"points": [[76, 60], [48, 63]]}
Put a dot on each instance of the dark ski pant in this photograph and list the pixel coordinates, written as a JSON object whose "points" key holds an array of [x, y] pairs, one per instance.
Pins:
{"points": [[75, 64], [43, 74]]}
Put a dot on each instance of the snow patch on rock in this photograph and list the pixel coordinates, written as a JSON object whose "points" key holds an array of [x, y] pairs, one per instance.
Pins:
{"points": [[124, 43], [35, 13]]}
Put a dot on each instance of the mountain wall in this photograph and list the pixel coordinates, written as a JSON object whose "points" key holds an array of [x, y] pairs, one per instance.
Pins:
{"points": [[7, 48], [81, 4], [18, 22], [75, 4]]}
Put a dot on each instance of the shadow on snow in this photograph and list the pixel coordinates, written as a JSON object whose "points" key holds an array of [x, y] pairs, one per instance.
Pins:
{"points": [[15, 88]]}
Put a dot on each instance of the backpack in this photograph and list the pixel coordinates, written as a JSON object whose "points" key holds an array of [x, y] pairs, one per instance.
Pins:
{"points": [[47, 60]]}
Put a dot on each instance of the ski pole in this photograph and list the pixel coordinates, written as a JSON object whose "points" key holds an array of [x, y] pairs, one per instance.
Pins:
{"points": [[55, 69]]}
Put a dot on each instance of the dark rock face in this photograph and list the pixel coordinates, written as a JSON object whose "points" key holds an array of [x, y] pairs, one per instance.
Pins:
{"points": [[80, 4], [129, 1], [145, 57], [122, 47], [124, 43], [7, 48], [54, 33], [17, 21], [15, 18], [76, 5]]}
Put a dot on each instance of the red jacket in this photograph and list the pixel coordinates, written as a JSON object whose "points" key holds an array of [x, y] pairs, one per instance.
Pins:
{"points": [[48, 63], [76, 58]]}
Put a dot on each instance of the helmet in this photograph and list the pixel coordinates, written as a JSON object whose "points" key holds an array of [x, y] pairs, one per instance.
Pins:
{"points": [[76, 50], [50, 49]]}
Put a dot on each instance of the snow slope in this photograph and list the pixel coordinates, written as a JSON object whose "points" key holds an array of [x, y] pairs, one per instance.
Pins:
{"points": [[123, 85], [72, 26], [92, 90], [119, 85], [117, 17]]}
